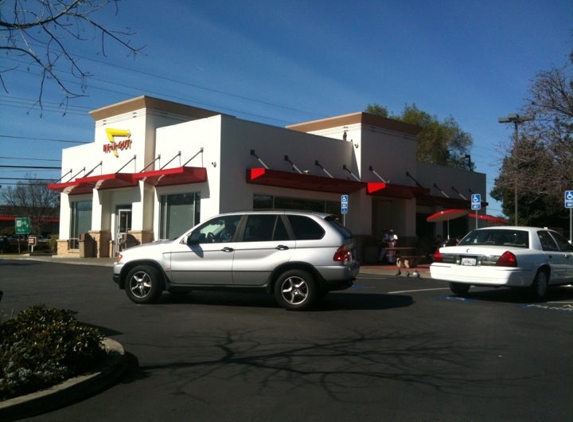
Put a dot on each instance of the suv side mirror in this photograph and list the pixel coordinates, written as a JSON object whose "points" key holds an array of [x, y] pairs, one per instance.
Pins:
{"points": [[193, 239]]}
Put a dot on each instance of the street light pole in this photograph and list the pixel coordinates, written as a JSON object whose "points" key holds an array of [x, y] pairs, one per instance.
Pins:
{"points": [[516, 119]]}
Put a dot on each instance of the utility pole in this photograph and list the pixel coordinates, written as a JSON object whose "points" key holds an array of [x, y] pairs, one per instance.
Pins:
{"points": [[516, 119]]}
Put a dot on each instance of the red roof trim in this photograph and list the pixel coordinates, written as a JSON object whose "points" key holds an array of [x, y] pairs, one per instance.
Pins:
{"points": [[391, 190], [285, 179], [87, 184], [173, 176]]}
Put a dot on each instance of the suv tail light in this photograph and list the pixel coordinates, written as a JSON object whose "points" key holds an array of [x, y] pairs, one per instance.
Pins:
{"points": [[342, 254], [507, 259]]}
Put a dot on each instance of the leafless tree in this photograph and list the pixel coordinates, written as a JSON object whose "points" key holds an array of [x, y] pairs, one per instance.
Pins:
{"points": [[41, 33], [32, 199], [540, 162]]}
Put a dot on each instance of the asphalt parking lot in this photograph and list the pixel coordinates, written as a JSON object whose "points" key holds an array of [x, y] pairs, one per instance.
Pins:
{"points": [[391, 348]]}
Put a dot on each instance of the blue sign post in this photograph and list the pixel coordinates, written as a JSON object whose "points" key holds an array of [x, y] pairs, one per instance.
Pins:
{"points": [[344, 207], [476, 205], [569, 204], [476, 201], [569, 199]]}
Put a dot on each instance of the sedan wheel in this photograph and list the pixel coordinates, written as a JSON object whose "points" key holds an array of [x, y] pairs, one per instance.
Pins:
{"points": [[143, 284], [539, 286], [296, 290]]}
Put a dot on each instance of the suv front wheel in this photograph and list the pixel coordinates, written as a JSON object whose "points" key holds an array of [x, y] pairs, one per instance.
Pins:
{"points": [[143, 284], [296, 290]]}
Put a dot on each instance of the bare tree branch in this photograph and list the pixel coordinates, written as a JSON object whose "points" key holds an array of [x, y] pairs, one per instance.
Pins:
{"points": [[42, 33], [540, 163]]}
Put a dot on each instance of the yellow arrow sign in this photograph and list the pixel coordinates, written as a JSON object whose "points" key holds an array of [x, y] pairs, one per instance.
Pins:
{"points": [[112, 134]]}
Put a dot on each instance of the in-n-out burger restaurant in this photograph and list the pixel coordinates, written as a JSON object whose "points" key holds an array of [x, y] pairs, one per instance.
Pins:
{"points": [[156, 168]]}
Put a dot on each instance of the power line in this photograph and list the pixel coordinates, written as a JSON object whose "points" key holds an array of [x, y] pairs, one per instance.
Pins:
{"points": [[29, 138], [29, 159], [180, 82], [26, 178], [32, 167]]}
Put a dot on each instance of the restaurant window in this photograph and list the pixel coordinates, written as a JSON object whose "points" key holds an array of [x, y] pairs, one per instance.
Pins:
{"points": [[81, 221], [179, 212]]}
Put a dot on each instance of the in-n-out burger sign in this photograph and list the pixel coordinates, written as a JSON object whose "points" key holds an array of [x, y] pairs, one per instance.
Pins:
{"points": [[115, 145]]}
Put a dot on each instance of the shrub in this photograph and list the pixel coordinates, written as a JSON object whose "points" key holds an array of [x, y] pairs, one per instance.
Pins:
{"points": [[41, 347]]}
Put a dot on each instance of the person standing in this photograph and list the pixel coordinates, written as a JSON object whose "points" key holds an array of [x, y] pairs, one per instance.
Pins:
{"points": [[392, 243], [390, 240]]}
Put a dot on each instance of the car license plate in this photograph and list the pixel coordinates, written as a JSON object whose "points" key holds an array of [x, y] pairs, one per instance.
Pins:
{"points": [[469, 261]]}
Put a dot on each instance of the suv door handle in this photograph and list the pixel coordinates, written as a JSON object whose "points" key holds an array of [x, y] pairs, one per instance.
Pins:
{"points": [[282, 247], [227, 249]]}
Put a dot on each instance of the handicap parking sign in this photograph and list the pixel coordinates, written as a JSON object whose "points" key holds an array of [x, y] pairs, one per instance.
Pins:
{"points": [[569, 199], [476, 201], [344, 204]]}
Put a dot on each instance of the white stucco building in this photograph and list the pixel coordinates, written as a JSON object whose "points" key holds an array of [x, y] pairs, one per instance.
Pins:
{"points": [[156, 168]]}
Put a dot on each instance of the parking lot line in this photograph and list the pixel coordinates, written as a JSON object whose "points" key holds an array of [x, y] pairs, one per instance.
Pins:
{"points": [[417, 290]]}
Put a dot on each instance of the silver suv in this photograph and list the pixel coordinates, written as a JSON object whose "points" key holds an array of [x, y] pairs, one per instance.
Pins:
{"points": [[300, 256]]}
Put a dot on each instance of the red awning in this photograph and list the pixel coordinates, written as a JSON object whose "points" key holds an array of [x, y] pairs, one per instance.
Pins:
{"points": [[285, 179], [173, 176], [391, 190], [109, 181], [101, 182], [70, 188]]}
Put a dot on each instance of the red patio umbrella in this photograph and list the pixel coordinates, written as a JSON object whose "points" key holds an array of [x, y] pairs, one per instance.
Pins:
{"points": [[447, 215]]}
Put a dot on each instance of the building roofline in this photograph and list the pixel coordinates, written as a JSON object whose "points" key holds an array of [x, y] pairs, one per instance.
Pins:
{"points": [[152, 103], [356, 118]]}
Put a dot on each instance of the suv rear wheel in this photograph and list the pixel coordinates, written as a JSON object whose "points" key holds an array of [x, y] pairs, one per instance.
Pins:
{"points": [[143, 284], [296, 290]]}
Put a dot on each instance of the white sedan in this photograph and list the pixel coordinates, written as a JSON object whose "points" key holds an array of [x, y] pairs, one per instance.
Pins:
{"points": [[527, 257]]}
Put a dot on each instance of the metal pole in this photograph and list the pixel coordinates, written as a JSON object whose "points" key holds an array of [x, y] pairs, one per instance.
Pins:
{"points": [[516, 119], [571, 225], [516, 124]]}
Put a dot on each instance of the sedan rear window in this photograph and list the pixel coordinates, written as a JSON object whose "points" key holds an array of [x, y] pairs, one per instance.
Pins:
{"points": [[512, 238]]}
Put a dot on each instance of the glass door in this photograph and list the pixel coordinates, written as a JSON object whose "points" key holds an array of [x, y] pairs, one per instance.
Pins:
{"points": [[123, 226]]}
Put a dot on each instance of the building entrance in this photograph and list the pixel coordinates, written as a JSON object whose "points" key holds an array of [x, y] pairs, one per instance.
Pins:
{"points": [[123, 226]]}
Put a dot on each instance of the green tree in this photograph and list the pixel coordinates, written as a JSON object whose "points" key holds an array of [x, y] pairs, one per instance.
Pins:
{"points": [[439, 142], [535, 208], [377, 109]]}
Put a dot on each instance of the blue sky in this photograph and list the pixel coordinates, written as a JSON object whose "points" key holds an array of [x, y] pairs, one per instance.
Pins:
{"points": [[281, 63]]}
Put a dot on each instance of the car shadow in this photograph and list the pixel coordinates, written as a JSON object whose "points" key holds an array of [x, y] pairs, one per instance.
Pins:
{"points": [[333, 301], [518, 296]]}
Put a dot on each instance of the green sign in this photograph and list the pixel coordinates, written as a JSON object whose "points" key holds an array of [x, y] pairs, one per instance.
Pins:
{"points": [[23, 225]]}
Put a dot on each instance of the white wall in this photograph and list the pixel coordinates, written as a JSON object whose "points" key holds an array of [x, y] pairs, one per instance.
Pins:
{"points": [[190, 138]]}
